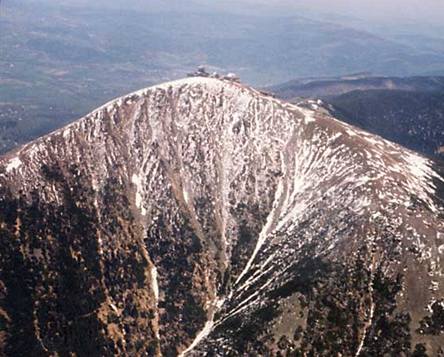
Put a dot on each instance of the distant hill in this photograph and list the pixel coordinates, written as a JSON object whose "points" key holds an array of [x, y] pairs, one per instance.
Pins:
{"points": [[412, 119], [408, 111], [325, 87]]}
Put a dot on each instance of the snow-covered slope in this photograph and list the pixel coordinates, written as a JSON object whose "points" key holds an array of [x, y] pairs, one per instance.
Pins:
{"points": [[200, 217]]}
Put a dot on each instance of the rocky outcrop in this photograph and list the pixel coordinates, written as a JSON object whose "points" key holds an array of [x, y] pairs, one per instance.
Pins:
{"points": [[200, 217]]}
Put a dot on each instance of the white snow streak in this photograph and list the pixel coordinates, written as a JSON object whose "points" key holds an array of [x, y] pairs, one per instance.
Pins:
{"points": [[264, 233], [206, 330], [155, 283], [137, 181]]}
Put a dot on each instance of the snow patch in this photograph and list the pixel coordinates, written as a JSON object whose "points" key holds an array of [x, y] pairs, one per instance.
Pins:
{"points": [[264, 233], [13, 164], [137, 181], [308, 116], [155, 283], [186, 196], [207, 328], [350, 132], [202, 334]]}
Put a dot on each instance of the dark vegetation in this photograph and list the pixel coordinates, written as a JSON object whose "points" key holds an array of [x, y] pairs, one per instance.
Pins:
{"points": [[62, 304], [176, 261], [56, 291]]}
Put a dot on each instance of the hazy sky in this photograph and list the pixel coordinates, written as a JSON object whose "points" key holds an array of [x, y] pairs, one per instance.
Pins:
{"points": [[386, 9], [400, 11], [379, 10]]}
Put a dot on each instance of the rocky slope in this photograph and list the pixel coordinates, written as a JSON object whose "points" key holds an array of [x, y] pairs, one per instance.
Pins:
{"points": [[200, 217]]}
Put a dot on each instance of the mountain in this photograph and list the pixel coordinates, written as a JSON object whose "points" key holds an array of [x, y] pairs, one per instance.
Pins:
{"points": [[202, 217], [408, 111]]}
